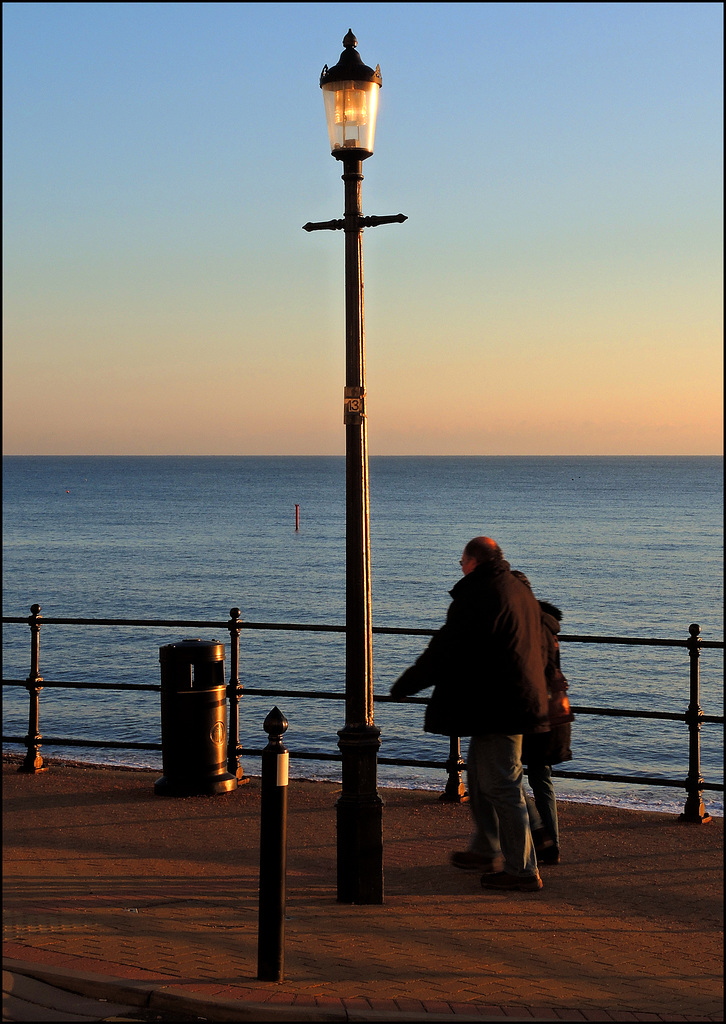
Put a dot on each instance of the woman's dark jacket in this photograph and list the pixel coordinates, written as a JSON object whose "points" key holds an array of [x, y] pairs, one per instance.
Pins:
{"points": [[552, 747], [487, 662]]}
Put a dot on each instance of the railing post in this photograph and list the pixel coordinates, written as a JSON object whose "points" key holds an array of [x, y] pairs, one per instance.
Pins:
{"points": [[695, 810], [33, 763], [234, 692], [455, 791], [273, 851]]}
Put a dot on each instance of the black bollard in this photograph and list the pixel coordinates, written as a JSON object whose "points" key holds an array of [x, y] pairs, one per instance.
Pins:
{"points": [[273, 846]]}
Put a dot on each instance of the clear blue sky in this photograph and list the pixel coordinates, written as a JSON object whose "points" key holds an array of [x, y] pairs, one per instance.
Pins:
{"points": [[557, 288]]}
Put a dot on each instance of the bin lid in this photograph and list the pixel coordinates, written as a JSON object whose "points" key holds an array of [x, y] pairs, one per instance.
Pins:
{"points": [[192, 652]]}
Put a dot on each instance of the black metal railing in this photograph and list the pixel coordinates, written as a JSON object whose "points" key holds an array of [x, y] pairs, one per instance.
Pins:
{"points": [[693, 717]]}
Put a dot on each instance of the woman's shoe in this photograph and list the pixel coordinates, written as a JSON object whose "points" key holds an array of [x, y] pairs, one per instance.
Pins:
{"points": [[550, 855], [542, 840]]}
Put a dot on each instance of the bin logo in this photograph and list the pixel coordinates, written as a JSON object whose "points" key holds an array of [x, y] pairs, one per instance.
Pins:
{"points": [[218, 732]]}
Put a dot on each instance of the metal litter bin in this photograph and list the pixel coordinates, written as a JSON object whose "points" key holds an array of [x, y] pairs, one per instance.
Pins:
{"points": [[193, 720]]}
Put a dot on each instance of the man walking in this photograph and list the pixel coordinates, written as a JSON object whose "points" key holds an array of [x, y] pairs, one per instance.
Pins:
{"points": [[486, 665]]}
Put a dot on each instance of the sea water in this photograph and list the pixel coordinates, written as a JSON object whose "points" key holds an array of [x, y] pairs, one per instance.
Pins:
{"points": [[624, 546]]}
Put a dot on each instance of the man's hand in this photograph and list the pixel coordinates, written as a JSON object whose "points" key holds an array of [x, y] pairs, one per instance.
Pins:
{"points": [[407, 683]]}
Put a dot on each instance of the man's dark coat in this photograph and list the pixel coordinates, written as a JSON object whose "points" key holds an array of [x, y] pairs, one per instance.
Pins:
{"points": [[486, 663]]}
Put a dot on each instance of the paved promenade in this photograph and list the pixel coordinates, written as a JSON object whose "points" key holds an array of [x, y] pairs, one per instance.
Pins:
{"points": [[111, 892]]}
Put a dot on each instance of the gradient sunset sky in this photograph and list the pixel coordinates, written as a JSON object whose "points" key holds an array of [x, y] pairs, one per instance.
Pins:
{"points": [[556, 290]]}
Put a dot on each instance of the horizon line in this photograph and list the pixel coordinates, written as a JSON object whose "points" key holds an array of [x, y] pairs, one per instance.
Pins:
{"points": [[341, 455]]}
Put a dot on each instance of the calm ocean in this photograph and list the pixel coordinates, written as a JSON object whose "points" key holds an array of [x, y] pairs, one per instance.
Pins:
{"points": [[625, 546]]}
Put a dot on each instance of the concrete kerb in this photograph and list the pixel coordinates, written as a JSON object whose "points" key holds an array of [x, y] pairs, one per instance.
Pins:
{"points": [[172, 998], [28, 998]]}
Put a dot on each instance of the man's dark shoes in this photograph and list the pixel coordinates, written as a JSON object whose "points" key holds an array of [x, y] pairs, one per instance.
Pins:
{"points": [[470, 860], [511, 883]]}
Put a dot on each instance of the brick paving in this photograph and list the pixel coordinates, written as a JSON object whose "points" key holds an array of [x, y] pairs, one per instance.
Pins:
{"points": [[105, 880]]}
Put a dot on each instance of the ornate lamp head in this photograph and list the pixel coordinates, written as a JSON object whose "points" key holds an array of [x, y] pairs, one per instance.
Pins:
{"points": [[350, 92]]}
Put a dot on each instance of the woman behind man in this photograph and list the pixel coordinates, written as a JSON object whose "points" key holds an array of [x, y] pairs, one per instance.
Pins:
{"points": [[541, 750]]}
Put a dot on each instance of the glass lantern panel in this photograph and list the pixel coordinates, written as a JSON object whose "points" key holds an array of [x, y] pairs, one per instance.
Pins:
{"points": [[350, 110]]}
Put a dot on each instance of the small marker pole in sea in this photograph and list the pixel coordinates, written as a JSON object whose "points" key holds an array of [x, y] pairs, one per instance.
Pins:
{"points": [[297, 517]]}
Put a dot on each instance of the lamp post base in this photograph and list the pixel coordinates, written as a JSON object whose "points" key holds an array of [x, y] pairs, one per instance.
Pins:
{"points": [[360, 819]]}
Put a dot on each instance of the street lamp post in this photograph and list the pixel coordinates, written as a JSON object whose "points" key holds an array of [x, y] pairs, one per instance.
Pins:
{"points": [[350, 92]]}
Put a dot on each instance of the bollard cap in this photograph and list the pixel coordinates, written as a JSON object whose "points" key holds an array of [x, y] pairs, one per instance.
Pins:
{"points": [[275, 724]]}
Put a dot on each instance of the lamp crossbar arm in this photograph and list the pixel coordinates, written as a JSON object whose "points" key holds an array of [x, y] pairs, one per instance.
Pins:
{"points": [[373, 222], [363, 222], [324, 225]]}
